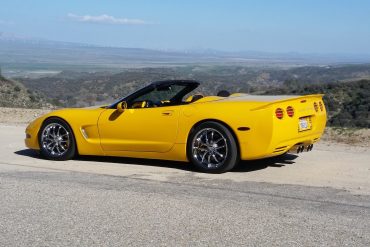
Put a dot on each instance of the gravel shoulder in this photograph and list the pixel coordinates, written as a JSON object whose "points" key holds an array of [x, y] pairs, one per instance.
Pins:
{"points": [[20, 116]]}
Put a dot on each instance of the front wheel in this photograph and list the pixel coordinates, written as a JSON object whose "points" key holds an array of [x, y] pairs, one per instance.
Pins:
{"points": [[56, 140], [212, 148]]}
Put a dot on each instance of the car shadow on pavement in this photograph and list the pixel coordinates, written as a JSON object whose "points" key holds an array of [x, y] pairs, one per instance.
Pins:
{"points": [[254, 165], [137, 161], [243, 166], [117, 160], [29, 153]]}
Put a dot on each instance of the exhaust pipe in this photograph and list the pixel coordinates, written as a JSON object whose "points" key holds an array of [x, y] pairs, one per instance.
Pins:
{"points": [[309, 147], [302, 148]]}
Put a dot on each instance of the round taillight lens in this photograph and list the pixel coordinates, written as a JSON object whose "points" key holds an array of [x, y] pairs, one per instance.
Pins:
{"points": [[290, 111], [279, 113], [321, 106], [316, 106]]}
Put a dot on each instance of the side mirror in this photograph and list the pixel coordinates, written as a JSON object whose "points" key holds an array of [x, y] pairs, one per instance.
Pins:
{"points": [[121, 106]]}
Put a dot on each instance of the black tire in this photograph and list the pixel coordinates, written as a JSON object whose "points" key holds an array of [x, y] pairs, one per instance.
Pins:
{"points": [[197, 149], [67, 140]]}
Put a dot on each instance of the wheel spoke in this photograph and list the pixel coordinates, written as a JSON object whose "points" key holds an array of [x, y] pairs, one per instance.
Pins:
{"points": [[214, 157], [204, 155], [206, 134], [49, 144], [57, 147], [212, 134], [52, 148], [219, 140], [219, 154], [200, 149]]}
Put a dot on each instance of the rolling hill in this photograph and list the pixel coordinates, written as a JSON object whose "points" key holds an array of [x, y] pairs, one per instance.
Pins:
{"points": [[14, 94]]}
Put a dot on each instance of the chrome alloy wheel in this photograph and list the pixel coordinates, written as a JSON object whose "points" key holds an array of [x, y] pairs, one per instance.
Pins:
{"points": [[209, 148], [55, 139]]}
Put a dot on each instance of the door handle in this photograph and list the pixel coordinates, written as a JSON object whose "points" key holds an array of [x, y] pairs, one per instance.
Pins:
{"points": [[167, 113]]}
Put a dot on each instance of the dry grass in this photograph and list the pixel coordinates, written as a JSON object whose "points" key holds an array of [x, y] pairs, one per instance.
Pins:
{"points": [[349, 136]]}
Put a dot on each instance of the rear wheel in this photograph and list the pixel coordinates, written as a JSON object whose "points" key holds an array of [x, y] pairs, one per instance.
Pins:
{"points": [[212, 148], [56, 140]]}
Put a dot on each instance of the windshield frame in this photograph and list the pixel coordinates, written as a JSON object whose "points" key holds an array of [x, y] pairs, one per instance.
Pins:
{"points": [[190, 85]]}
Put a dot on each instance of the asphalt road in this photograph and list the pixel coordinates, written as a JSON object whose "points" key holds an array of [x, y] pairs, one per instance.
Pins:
{"points": [[120, 202]]}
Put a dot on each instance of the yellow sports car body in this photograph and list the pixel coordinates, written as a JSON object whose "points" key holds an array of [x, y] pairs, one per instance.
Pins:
{"points": [[165, 121]]}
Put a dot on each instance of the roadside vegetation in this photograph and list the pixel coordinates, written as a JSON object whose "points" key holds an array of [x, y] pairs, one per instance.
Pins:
{"points": [[14, 94], [348, 103]]}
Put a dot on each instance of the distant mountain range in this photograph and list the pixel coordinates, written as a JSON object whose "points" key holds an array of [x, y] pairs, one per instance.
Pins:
{"points": [[24, 53]]}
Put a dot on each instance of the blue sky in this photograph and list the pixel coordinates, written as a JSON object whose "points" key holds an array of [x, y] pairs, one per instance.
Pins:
{"points": [[307, 26]]}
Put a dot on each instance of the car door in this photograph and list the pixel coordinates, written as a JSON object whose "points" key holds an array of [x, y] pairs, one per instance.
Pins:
{"points": [[142, 129]]}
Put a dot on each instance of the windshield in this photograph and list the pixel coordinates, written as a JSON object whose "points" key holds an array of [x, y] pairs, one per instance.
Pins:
{"points": [[162, 93]]}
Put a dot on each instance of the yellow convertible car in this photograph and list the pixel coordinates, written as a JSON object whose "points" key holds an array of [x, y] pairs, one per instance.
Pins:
{"points": [[165, 121]]}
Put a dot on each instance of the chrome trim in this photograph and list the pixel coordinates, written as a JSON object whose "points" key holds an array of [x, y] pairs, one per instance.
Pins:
{"points": [[83, 131]]}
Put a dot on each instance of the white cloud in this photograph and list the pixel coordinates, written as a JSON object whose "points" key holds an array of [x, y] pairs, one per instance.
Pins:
{"points": [[106, 19]]}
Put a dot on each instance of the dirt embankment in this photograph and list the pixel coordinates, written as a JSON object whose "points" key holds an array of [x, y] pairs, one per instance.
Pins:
{"points": [[20, 116], [348, 136]]}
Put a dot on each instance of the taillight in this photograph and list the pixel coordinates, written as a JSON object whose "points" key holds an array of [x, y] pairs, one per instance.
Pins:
{"points": [[316, 106], [279, 113], [290, 111], [321, 106]]}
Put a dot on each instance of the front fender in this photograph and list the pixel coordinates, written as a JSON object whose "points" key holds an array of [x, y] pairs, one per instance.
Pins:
{"points": [[83, 123]]}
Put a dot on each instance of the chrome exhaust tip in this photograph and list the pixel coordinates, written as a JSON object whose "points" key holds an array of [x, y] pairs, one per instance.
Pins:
{"points": [[302, 148]]}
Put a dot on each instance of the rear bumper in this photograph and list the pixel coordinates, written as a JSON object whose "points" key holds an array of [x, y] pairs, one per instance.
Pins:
{"points": [[281, 147], [296, 145]]}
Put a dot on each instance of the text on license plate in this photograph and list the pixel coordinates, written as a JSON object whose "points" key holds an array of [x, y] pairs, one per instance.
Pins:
{"points": [[304, 123]]}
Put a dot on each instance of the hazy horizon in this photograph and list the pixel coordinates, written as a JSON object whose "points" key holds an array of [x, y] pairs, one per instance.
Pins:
{"points": [[309, 27]]}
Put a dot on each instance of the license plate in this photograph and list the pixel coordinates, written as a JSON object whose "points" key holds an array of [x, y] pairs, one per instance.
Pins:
{"points": [[304, 124]]}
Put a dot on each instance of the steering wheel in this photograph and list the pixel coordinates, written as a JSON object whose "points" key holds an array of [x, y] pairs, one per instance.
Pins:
{"points": [[149, 103]]}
